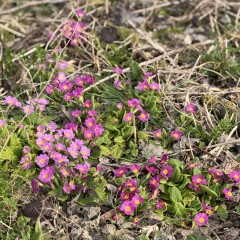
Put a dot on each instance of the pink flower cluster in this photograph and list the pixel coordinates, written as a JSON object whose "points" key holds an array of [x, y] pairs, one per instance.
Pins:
{"points": [[74, 31], [70, 88], [148, 83], [197, 181]]}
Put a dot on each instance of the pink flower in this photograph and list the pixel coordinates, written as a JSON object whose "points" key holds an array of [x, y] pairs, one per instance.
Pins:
{"points": [[144, 116], [192, 108], [130, 183], [87, 104], [148, 74], [85, 152], [26, 162], [118, 84], [208, 209], [117, 217], [26, 149], [88, 134], [160, 204], [157, 133], [46, 175], [60, 147], [137, 200], [90, 122], [61, 77], [143, 86], [235, 175], [28, 109], [98, 130], [64, 172], [11, 101], [192, 165], [65, 86], [133, 103], [92, 113], [119, 105], [151, 169], [154, 182], [77, 93], [128, 117], [73, 152], [228, 193], [62, 65], [118, 70], [50, 89], [135, 220], [2, 123], [135, 168], [127, 207], [80, 12], [198, 179], [120, 171], [152, 159], [201, 219], [42, 160], [80, 80], [163, 159], [67, 97], [83, 168], [154, 86], [68, 134], [166, 171], [176, 135], [66, 188], [76, 113], [125, 196]]}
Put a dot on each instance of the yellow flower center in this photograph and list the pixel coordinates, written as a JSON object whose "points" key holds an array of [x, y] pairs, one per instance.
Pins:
{"points": [[65, 87], [229, 194], [42, 160], [45, 176], [137, 202], [128, 208], [201, 220], [90, 124], [165, 171], [143, 115], [175, 135], [84, 153], [236, 176], [199, 180]]}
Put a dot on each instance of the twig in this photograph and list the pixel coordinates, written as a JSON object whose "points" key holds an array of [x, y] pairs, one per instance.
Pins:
{"points": [[30, 4], [12, 31]]}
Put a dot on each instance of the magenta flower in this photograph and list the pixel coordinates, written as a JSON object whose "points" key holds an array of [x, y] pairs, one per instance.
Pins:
{"points": [[128, 117], [135, 168], [64, 172], [118, 70], [60, 147], [208, 209], [157, 133], [28, 109], [77, 93], [11, 101], [50, 89], [119, 105], [46, 175], [92, 113], [163, 159], [144, 116], [76, 113], [68, 134], [80, 80], [176, 135], [48, 137], [80, 12], [85, 152], [151, 169], [83, 168], [66, 187], [125, 196], [133, 103], [26, 162], [65, 86], [154, 86], [130, 183], [118, 84], [47, 147], [137, 200], [67, 97], [235, 175], [148, 74], [61, 160], [135, 220], [98, 130], [201, 219], [154, 182], [88, 134], [26, 149], [42, 160], [143, 86], [35, 186], [152, 159], [160, 204], [90, 122], [192, 108], [198, 179], [2, 123], [192, 165], [73, 152], [127, 207], [71, 125], [228, 193], [87, 104], [62, 65], [166, 171], [120, 171]]}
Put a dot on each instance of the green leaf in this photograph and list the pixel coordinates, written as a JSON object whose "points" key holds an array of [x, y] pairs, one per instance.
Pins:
{"points": [[180, 209], [142, 135], [105, 151], [238, 208], [222, 211], [209, 191], [196, 171], [175, 195], [176, 174], [119, 139]]}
